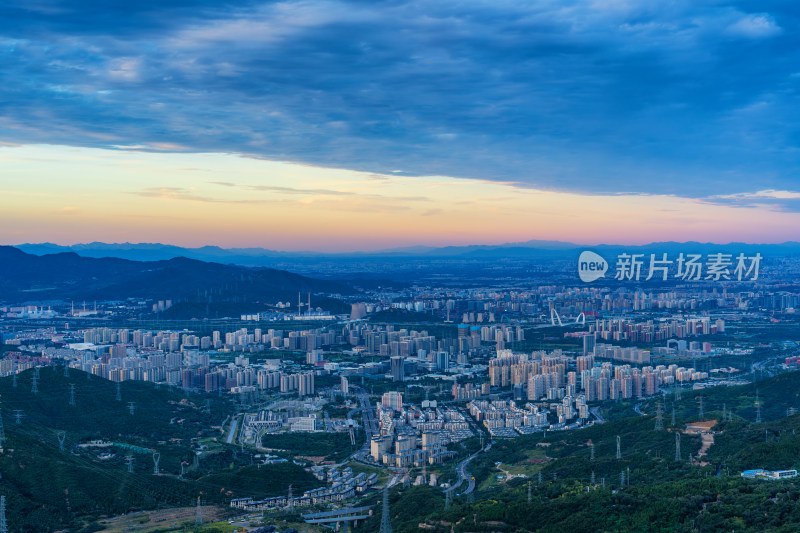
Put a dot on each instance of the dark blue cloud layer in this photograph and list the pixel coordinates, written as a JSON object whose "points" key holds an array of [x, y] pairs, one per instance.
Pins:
{"points": [[688, 98]]}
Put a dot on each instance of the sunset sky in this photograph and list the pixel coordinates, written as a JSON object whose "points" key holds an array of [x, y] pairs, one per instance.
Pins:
{"points": [[335, 125]]}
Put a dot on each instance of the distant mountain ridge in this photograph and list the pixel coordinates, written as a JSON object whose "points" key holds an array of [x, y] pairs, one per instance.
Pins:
{"points": [[69, 275], [267, 257]]}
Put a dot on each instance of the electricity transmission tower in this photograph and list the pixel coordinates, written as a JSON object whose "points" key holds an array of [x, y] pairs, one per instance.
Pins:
{"points": [[619, 450], [72, 394], [156, 459], [386, 524], [18, 414], [591, 452], [673, 417], [66, 370], [3, 523], [129, 462], [592, 478], [198, 517], [701, 407], [62, 436], [119, 392], [677, 446], [14, 381], [529, 491], [659, 418], [131, 407], [758, 409], [35, 385]]}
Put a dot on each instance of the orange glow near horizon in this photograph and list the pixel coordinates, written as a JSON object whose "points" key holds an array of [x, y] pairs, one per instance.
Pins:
{"points": [[70, 195]]}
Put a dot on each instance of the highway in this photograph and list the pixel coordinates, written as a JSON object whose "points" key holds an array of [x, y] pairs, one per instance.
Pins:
{"points": [[596, 412], [370, 427], [463, 475]]}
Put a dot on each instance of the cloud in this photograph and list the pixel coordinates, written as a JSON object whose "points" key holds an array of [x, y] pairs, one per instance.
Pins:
{"points": [[178, 193], [776, 200], [291, 190], [755, 26], [688, 98]]}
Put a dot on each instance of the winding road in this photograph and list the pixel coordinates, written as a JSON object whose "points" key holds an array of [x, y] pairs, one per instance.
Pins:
{"points": [[463, 475]]}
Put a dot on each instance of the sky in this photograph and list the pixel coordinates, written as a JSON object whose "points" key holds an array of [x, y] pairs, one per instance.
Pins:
{"points": [[335, 125]]}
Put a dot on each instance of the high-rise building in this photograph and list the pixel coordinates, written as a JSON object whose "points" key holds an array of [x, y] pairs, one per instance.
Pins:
{"points": [[306, 384], [442, 361], [588, 344], [392, 400], [398, 368]]}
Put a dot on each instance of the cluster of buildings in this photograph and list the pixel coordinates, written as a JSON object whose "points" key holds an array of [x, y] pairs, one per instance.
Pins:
{"points": [[656, 331], [543, 376], [504, 419], [412, 436], [385, 340], [342, 485], [769, 474], [469, 391]]}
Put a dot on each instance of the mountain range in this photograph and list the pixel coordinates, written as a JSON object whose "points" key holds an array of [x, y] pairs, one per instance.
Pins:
{"points": [[66, 275], [266, 257]]}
